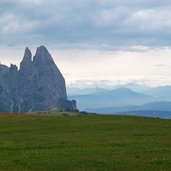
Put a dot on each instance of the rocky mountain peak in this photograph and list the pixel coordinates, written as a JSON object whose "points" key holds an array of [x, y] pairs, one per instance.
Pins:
{"points": [[27, 59], [27, 55], [38, 85], [13, 68], [42, 56]]}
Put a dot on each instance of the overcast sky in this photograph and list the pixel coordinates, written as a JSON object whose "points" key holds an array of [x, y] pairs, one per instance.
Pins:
{"points": [[92, 41]]}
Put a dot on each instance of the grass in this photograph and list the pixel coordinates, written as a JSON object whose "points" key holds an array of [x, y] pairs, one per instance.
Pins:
{"points": [[84, 143]]}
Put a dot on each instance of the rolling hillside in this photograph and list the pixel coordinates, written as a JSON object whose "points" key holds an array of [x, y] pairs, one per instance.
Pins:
{"points": [[87, 143]]}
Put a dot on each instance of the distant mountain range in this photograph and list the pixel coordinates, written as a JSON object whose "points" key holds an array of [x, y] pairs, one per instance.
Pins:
{"points": [[86, 91], [111, 98], [74, 91], [161, 92], [130, 99], [153, 106]]}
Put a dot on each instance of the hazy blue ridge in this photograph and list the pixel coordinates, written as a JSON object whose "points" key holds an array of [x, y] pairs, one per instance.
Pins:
{"points": [[112, 98]]}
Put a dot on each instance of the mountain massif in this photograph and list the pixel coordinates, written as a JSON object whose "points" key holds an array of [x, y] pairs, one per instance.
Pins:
{"points": [[111, 98], [135, 100], [37, 85]]}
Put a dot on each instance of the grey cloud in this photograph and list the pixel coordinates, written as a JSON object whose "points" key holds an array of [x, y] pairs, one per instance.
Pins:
{"points": [[86, 23], [161, 65]]}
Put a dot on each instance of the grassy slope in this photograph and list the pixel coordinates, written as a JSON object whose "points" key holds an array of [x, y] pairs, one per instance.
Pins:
{"points": [[84, 143]]}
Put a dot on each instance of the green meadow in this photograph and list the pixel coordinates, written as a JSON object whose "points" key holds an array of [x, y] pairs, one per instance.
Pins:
{"points": [[84, 143]]}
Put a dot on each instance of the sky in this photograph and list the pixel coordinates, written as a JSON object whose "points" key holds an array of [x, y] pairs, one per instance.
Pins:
{"points": [[93, 42]]}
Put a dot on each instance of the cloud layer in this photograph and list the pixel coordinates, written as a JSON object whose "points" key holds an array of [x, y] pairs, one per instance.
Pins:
{"points": [[113, 41], [107, 24]]}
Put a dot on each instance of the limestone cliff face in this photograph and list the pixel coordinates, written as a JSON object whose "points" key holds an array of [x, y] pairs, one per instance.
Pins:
{"points": [[38, 85]]}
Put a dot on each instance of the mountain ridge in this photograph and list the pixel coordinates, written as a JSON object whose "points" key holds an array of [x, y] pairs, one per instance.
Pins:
{"points": [[153, 106], [110, 98]]}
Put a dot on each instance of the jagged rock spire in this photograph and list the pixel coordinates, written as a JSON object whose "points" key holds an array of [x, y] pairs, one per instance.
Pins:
{"points": [[27, 59], [13, 68], [27, 55], [42, 55]]}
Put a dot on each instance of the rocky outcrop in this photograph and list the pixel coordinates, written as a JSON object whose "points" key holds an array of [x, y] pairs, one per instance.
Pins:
{"points": [[38, 85]]}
